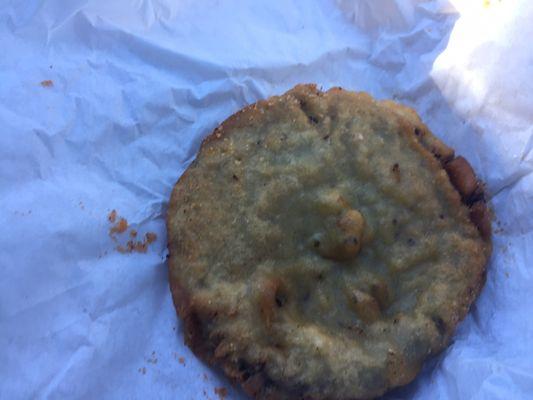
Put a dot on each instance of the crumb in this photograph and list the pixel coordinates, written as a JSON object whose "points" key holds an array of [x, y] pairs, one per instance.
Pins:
{"points": [[112, 216], [81, 205], [120, 227], [222, 392], [181, 360], [141, 247], [506, 274], [134, 246], [22, 213], [133, 233], [206, 378], [47, 83], [150, 237], [142, 370]]}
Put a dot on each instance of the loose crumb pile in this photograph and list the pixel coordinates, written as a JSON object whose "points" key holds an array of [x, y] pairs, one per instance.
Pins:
{"points": [[120, 226]]}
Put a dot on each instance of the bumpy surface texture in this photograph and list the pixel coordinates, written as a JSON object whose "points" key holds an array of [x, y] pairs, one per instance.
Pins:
{"points": [[323, 245]]}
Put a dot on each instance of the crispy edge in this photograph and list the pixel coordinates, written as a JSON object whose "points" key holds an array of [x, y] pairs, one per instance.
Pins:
{"points": [[460, 173], [250, 377], [471, 192], [180, 295], [254, 382]]}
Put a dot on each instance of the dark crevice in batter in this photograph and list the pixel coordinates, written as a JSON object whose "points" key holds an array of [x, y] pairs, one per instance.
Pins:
{"points": [[311, 117], [395, 169], [439, 324], [280, 299]]}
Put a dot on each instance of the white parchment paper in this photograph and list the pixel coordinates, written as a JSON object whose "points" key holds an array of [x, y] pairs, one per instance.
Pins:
{"points": [[103, 105]]}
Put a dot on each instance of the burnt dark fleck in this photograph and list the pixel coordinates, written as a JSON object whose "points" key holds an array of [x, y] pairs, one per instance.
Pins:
{"points": [[439, 324]]}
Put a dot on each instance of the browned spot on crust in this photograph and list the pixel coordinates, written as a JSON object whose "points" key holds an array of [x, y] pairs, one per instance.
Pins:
{"points": [[464, 180], [462, 177], [47, 83]]}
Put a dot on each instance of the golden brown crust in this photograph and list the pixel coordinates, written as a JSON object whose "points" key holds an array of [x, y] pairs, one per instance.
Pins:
{"points": [[195, 315]]}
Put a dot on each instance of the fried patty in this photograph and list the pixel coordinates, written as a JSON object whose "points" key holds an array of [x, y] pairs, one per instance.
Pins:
{"points": [[324, 244]]}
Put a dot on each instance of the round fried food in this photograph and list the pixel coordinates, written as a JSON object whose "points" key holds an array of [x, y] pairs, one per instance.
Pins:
{"points": [[324, 244]]}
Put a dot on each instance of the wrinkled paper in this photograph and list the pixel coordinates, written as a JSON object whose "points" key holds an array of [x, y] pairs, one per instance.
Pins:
{"points": [[103, 104]]}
